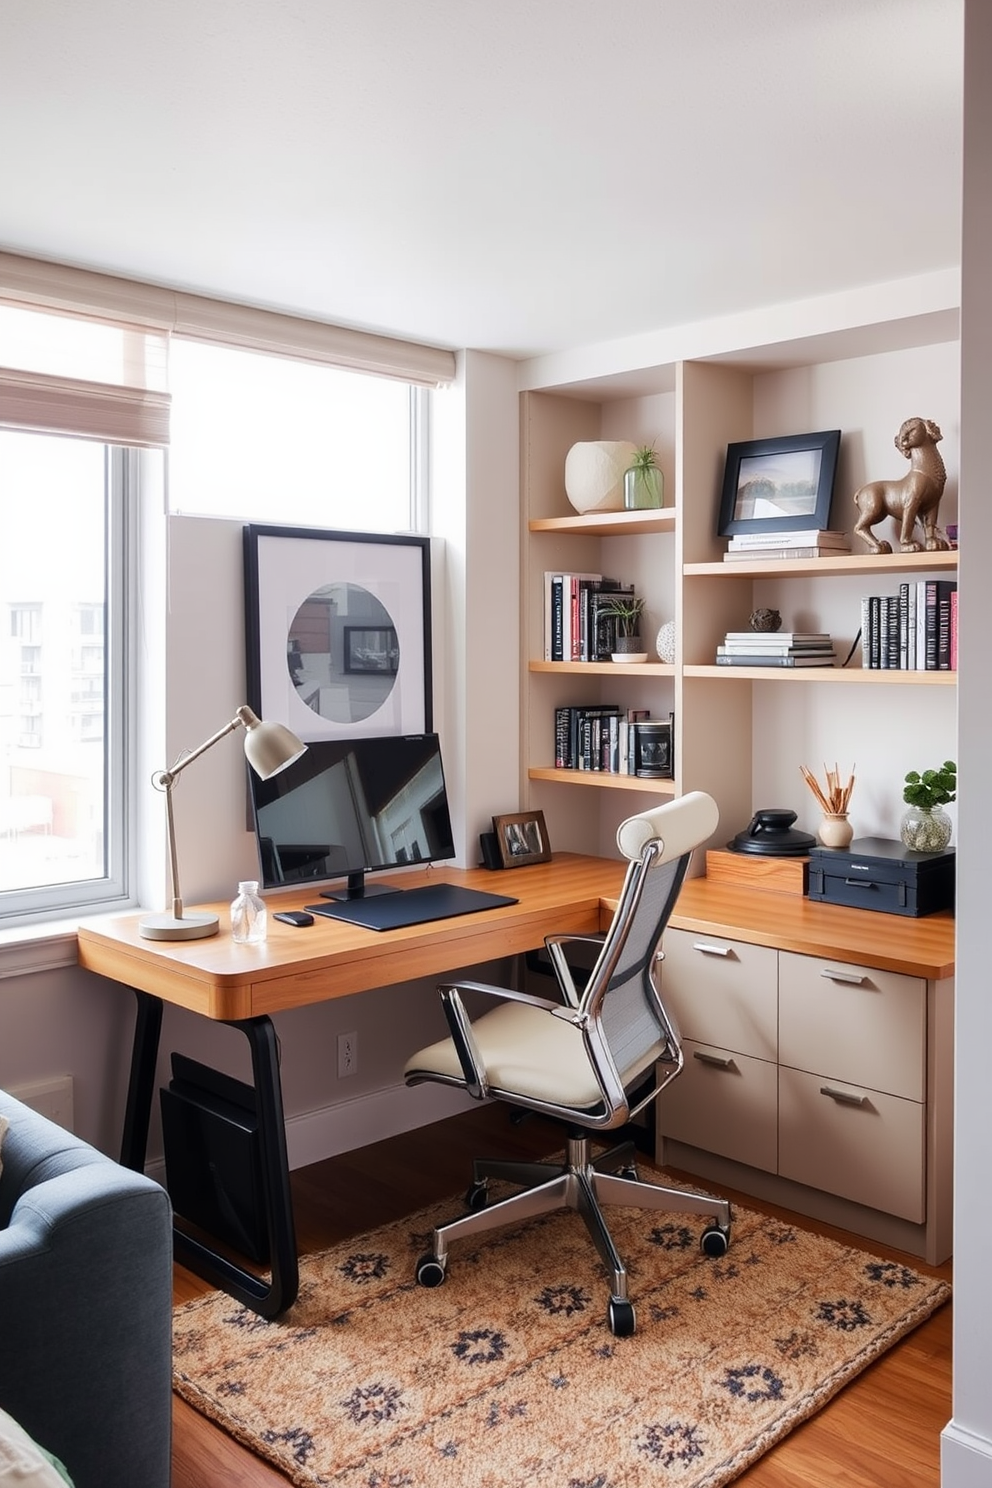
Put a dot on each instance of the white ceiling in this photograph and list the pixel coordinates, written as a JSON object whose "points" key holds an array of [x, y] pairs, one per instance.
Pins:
{"points": [[519, 176]]}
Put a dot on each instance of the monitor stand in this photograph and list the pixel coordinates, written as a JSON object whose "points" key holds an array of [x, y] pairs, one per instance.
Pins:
{"points": [[357, 888]]}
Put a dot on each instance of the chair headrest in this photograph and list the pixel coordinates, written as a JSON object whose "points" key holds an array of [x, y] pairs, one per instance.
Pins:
{"points": [[679, 825]]}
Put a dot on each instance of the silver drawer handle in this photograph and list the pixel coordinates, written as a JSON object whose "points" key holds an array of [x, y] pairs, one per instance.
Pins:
{"points": [[844, 1097], [711, 950], [715, 1059], [855, 978]]}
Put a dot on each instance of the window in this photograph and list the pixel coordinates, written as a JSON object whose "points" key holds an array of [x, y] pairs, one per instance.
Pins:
{"points": [[62, 754], [266, 438]]}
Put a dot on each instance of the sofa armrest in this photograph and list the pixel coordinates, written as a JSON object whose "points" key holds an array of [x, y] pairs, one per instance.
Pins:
{"points": [[85, 1306]]}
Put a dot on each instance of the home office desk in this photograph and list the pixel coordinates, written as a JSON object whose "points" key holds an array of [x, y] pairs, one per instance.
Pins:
{"points": [[244, 985]]}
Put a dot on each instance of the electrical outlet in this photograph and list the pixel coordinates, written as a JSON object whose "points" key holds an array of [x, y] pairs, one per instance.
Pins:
{"points": [[51, 1098], [347, 1054]]}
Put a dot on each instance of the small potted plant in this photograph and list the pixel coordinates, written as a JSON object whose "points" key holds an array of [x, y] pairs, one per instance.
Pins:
{"points": [[643, 483], [627, 610], [926, 826]]}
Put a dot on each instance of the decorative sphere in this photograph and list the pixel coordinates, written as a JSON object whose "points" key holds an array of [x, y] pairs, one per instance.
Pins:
{"points": [[594, 473], [765, 620], [665, 642]]}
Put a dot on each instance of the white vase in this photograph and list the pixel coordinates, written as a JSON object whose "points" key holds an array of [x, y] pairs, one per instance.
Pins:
{"points": [[594, 472], [665, 642]]}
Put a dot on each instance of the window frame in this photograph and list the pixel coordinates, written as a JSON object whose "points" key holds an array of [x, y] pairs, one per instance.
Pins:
{"points": [[113, 890]]}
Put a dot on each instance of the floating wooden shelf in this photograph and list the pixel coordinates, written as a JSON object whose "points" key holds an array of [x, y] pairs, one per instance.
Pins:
{"points": [[602, 778]]}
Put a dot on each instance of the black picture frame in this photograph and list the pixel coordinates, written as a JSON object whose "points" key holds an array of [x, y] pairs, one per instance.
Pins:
{"points": [[521, 839], [779, 485], [309, 593], [370, 648]]}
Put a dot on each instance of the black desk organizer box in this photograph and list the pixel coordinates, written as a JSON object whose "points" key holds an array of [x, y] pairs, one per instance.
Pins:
{"points": [[877, 873]]}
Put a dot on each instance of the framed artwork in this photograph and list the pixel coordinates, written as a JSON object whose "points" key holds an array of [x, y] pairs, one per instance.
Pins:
{"points": [[522, 838], [338, 631], [779, 485]]}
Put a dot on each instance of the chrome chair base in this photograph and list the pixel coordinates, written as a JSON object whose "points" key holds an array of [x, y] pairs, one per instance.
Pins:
{"points": [[586, 1184]]}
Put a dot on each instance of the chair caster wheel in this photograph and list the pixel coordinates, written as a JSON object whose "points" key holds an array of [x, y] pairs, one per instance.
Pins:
{"points": [[477, 1197], [620, 1316], [714, 1241], [430, 1272], [628, 1172]]}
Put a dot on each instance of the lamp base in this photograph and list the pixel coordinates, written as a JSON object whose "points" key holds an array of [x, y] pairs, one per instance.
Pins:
{"points": [[194, 925]]}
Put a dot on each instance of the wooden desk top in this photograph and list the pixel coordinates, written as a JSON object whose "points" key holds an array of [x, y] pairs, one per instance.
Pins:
{"points": [[921, 947], [570, 895], [330, 958]]}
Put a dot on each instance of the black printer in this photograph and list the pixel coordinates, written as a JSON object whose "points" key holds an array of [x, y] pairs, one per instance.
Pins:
{"points": [[878, 873]]}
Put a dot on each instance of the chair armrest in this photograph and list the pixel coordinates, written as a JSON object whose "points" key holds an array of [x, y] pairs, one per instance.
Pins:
{"points": [[556, 946], [460, 1025]]}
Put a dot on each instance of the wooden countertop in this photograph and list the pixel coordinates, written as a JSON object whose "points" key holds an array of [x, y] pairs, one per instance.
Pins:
{"points": [[922, 947]]}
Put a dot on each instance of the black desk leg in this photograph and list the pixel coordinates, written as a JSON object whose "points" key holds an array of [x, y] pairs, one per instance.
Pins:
{"points": [[141, 1086], [268, 1298]]}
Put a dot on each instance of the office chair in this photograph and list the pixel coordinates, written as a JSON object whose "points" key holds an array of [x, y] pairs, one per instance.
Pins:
{"points": [[592, 1061]]}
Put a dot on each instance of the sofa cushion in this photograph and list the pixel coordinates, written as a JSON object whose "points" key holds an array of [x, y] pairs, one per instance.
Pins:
{"points": [[23, 1464], [4, 1123]]}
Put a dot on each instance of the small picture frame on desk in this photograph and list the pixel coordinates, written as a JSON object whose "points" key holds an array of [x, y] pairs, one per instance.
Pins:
{"points": [[522, 839]]}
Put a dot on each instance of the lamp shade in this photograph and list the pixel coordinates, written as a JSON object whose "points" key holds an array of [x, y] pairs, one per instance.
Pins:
{"points": [[269, 747]]}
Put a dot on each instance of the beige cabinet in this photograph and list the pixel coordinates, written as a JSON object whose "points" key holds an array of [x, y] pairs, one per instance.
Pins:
{"points": [[810, 1080]]}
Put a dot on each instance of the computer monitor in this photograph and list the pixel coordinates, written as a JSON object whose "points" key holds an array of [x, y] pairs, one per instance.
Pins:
{"points": [[348, 807]]}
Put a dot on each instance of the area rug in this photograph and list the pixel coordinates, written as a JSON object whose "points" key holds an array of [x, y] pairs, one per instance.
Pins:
{"points": [[508, 1374]]}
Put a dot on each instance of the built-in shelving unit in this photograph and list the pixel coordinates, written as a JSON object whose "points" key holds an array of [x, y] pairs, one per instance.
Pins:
{"points": [[740, 733]]}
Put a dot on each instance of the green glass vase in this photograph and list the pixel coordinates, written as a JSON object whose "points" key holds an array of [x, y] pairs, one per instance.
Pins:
{"points": [[643, 488]]}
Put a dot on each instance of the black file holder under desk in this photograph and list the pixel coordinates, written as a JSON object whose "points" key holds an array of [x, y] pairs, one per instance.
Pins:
{"points": [[269, 1297]]}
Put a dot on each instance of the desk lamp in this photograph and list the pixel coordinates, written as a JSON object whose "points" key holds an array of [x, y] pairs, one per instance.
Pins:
{"points": [[270, 747]]}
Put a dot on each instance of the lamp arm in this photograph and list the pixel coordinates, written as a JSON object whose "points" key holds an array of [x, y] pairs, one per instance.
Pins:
{"points": [[166, 779]]}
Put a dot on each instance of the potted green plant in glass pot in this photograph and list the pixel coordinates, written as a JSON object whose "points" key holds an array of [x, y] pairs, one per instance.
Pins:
{"points": [[643, 483], [926, 826], [627, 610]]}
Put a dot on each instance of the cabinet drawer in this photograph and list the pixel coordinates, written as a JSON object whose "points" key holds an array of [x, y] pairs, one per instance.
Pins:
{"points": [[857, 1143], [853, 1023], [723, 1102], [722, 992]]}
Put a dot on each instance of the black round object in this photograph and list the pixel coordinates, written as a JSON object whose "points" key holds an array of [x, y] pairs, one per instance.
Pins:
{"points": [[770, 833]]}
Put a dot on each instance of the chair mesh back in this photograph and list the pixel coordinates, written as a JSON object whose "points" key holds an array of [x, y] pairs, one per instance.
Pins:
{"points": [[631, 1017]]}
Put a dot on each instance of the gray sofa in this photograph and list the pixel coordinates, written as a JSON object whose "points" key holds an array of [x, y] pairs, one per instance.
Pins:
{"points": [[85, 1305]]}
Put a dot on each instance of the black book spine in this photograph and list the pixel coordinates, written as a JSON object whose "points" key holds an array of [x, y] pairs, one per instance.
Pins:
{"points": [[931, 626]]}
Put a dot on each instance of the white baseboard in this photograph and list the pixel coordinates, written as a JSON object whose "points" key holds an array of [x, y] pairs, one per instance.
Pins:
{"points": [[348, 1124], [369, 1118], [965, 1459]]}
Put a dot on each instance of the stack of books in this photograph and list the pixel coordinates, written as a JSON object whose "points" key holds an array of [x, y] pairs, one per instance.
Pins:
{"points": [[747, 648], [809, 543], [915, 630], [577, 622], [615, 741]]}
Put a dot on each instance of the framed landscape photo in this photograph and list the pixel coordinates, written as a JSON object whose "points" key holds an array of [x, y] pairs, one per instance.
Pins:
{"points": [[779, 485], [522, 838], [338, 632]]}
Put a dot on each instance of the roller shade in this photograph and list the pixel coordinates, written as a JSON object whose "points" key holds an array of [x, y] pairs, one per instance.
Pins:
{"points": [[32, 401], [37, 282]]}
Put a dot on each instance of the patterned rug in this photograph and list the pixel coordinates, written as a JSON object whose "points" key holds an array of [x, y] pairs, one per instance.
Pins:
{"points": [[508, 1374]]}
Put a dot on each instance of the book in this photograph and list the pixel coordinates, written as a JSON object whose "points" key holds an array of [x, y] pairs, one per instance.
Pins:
{"points": [[778, 637], [808, 537], [945, 588], [756, 554], [771, 659]]}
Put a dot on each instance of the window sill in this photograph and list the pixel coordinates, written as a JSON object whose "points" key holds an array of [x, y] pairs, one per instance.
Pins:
{"points": [[46, 945]]}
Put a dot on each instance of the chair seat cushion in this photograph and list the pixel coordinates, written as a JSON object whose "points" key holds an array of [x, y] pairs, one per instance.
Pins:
{"points": [[526, 1052]]}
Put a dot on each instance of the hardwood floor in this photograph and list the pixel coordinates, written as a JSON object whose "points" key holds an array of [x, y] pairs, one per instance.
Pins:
{"points": [[883, 1428]]}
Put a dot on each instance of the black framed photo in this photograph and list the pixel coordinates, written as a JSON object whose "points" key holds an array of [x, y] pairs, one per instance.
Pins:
{"points": [[779, 485], [522, 838], [338, 631]]}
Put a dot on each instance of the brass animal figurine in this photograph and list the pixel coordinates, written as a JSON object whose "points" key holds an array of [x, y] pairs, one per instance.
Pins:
{"points": [[914, 498]]}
